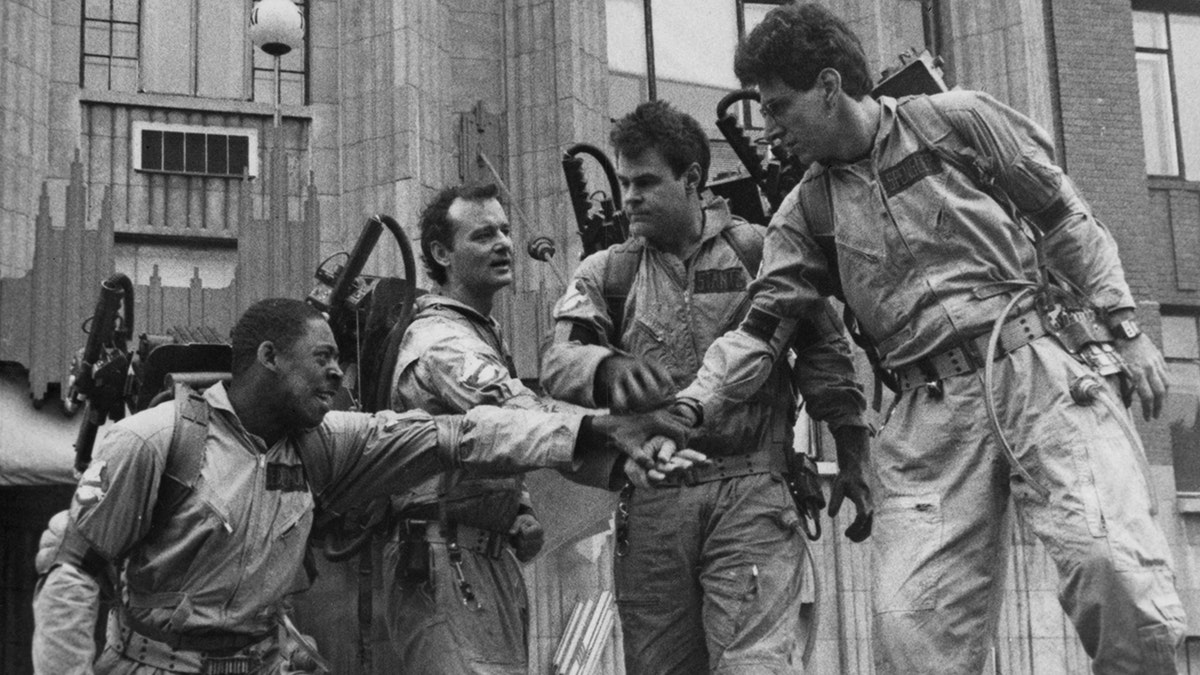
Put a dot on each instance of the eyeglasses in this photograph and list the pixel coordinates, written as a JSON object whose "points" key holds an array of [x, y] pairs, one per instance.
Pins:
{"points": [[775, 107]]}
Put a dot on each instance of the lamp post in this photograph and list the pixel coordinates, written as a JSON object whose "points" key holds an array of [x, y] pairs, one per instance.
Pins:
{"points": [[276, 27]]}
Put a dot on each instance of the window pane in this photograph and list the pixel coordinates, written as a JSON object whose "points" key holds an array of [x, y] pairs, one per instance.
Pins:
{"points": [[194, 153], [754, 14], [1185, 47], [624, 93], [123, 75], [167, 47], [1150, 30], [264, 86], [96, 9], [239, 154], [218, 153], [125, 40], [694, 42], [1180, 339], [221, 61], [95, 72], [626, 36], [172, 151], [152, 150], [696, 100], [96, 38], [1181, 416], [125, 10], [292, 88], [1158, 119]]}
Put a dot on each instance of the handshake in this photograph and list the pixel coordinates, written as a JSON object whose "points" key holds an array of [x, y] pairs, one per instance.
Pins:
{"points": [[654, 443], [652, 435]]}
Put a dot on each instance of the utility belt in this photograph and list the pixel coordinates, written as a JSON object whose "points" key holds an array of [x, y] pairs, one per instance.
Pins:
{"points": [[217, 653], [769, 460], [970, 355], [467, 538]]}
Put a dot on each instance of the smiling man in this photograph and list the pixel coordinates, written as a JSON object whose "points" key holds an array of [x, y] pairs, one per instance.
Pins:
{"points": [[708, 571], [211, 553]]}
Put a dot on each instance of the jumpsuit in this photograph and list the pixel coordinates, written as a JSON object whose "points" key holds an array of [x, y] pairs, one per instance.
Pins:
{"points": [[708, 575], [921, 252], [227, 558]]}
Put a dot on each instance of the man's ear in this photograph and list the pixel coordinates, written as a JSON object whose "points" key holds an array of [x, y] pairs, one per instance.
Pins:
{"points": [[267, 355], [830, 82], [691, 177], [440, 253]]}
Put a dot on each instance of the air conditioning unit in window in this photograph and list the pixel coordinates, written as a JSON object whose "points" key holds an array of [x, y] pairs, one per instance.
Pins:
{"points": [[223, 152]]}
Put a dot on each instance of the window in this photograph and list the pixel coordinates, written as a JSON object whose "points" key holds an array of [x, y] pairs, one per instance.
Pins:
{"points": [[1168, 71], [189, 47], [201, 151], [692, 42], [1181, 347], [109, 58]]}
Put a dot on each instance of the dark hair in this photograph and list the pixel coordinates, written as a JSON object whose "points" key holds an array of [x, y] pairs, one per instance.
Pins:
{"points": [[281, 321], [794, 43], [676, 135], [435, 225]]}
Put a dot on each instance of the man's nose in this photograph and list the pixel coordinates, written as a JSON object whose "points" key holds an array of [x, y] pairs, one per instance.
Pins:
{"points": [[504, 242]]}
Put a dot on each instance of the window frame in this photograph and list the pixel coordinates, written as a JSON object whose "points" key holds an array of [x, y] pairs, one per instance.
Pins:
{"points": [[1169, 52]]}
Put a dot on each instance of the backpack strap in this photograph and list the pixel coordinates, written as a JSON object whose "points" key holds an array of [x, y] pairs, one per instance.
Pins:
{"points": [[185, 455], [619, 270], [816, 203], [743, 239]]}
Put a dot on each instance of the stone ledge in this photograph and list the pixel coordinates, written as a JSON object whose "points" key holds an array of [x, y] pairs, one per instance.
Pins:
{"points": [[192, 104]]}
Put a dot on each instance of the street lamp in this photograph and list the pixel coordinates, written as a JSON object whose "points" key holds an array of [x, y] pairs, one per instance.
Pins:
{"points": [[276, 27]]}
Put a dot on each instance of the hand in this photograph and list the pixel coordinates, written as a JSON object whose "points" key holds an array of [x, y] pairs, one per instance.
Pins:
{"points": [[853, 445], [1148, 372], [526, 537], [634, 385], [669, 462], [634, 435]]}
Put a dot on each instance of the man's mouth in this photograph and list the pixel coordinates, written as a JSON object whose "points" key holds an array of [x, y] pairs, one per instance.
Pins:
{"points": [[327, 396], [502, 264]]}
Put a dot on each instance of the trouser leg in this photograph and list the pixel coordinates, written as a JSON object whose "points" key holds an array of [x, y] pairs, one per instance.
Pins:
{"points": [[435, 632], [658, 595], [939, 544], [1115, 577], [751, 574]]}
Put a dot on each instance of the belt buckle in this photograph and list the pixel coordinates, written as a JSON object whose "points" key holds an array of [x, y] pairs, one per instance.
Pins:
{"points": [[229, 665]]}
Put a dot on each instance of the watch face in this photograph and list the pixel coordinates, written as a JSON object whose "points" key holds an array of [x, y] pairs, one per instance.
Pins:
{"points": [[1127, 329]]}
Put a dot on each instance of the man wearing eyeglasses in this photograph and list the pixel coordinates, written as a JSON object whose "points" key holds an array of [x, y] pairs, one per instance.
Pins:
{"points": [[931, 261]]}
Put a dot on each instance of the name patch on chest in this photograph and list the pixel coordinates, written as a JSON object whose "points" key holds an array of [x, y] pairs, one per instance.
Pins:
{"points": [[286, 477], [720, 281], [910, 170]]}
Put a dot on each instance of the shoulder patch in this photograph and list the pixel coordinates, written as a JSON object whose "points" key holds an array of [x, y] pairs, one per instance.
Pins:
{"points": [[575, 298], [477, 373], [93, 484]]}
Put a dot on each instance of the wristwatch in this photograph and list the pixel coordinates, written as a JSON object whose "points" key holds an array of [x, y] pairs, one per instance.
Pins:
{"points": [[1125, 330]]}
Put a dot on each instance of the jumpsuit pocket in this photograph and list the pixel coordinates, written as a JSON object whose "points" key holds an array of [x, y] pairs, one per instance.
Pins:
{"points": [[908, 545]]}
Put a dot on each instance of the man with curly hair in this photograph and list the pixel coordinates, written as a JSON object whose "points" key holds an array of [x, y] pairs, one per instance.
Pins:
{"points": [[708, 571], [929, 251]]}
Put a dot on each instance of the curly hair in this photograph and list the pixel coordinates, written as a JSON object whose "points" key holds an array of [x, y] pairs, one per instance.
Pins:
{"points": [[794, 43], [281, 321], [435, 225], [676, 135]]}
